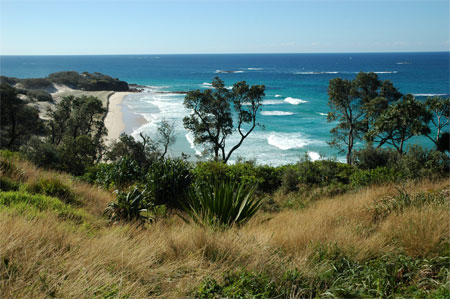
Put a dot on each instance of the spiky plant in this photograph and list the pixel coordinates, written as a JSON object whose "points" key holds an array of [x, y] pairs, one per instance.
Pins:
{"points": [[222, 203], [132, 205]]}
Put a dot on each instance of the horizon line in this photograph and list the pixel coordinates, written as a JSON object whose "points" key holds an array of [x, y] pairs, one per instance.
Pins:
{"points": [[237, 53]]}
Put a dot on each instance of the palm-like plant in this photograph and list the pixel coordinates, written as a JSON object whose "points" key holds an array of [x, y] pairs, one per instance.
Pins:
{"points": [[223, 203], [130, 206]]}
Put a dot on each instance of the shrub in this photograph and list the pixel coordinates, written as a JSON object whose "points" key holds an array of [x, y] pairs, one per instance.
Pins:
{"points": [[224, 203], [40, 96], [371, 158], [36, 83], [168, 181], [7, 184], [42, 154], [132, 205], [290, 180], [52, 187], [380, 175], [119, 175]]}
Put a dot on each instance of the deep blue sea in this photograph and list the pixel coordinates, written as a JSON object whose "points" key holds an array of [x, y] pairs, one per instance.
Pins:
{"points": [[295, 106]]}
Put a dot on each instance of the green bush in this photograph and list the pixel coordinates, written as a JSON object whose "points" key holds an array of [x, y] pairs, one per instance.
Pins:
{"points": [[36, 83], [267, 178], [380, 175], [168, 181], [118, 175], [371, 158], [132, 205], [7, 184], [290, 180], [222, 203], [52, 187], [24, 202], [40, 96]]}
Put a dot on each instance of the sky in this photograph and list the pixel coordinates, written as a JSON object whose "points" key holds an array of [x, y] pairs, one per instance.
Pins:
{"points": [[85, 27]]}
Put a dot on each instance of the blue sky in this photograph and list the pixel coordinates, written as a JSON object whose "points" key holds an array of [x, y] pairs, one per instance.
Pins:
{"points": [[39, 27]]}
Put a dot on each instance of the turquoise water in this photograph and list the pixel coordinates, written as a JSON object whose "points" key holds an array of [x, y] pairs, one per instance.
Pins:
{"points": [[295, 106]]}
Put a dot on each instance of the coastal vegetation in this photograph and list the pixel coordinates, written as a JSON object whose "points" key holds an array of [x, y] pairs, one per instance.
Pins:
{"points": [[79, 218]]}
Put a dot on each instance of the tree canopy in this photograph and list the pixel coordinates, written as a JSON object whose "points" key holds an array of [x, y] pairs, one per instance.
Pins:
{"points": [[211, 121]]}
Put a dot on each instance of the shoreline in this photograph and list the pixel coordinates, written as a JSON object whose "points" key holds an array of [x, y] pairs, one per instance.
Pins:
{"points": [[114, 120]]}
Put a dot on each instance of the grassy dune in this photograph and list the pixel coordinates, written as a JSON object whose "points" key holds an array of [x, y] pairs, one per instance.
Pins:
{"points": [[384, 240]]}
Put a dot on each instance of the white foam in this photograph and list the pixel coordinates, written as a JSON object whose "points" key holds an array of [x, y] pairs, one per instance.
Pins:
{"points": [[255, 68], [190, 139], [294, 101], [206, 84], [286, 141], [272, 102], [316, 73], [386, 72], [429, 94], [276, 113], [278, 96], [313, 156], [323, 114], [228, 72]]}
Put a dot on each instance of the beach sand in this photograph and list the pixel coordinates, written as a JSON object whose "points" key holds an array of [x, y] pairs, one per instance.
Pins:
{"points": [[114, 119]]}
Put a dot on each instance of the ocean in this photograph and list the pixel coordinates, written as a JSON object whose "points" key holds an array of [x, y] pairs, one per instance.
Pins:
{"points": [[294, 109]]}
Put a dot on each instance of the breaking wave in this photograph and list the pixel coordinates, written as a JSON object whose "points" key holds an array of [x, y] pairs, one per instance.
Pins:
{"points": [[276, 113], [294, 101], [286, 141]]}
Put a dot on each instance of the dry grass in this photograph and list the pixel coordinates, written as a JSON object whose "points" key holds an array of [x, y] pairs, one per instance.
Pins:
{"points": [[41, 257]]}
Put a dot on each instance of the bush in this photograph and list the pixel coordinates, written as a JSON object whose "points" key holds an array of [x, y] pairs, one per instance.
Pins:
{"points": [[7, 184], [52, 187], [132, 205], [40, 96], [267, 178], [42, 154], [88, 81], [290, 180], [380, 175], [222, 203], [168, 181], [371, 158], [118, 175], [36, 83]]}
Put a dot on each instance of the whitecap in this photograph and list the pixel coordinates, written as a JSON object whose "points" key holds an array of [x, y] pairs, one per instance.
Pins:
{"points": [[278, 95], [430, 94], [294, 101], [255, 68], [316, 73], [227, 72], [272, 102], [286, 141], [276, 113], [313, 156], [323, 114], [386, 72], [190, 139]]}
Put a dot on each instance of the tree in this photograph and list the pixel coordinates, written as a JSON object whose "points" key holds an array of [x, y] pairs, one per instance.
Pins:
{"points": [[347, 110], [440, 109], [166, 135], [18, 122], [211, 120], [356, 105], [401, 121]]}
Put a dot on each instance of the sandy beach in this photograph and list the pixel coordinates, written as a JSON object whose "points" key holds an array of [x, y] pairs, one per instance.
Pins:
{"points": [[114, 119]]}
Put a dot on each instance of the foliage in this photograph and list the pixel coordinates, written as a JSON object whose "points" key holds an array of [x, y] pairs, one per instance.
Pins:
{"points": [[42, 154], [440, 110], [267, 178], [290, 179], [222, 203], [17, 121], [52, 186], [144, 152], [401, 120], [36, 83], [211, 120], [88, 81], [40, 96], [118, 175], [371, 157], [6, 184], [398, 203], [168, 180], [22, 201], [376, 176], [338, 276], [166, 138], [130, 206]]}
